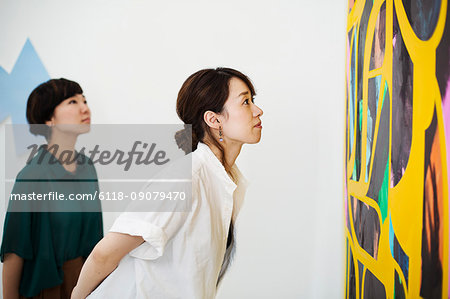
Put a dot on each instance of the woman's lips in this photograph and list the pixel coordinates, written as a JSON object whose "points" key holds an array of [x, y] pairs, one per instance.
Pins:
{"points": [[86, 120], [259, 125]]}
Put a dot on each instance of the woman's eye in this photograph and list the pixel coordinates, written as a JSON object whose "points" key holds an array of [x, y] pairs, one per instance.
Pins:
{"points": [[246, 102], [72, 102]]}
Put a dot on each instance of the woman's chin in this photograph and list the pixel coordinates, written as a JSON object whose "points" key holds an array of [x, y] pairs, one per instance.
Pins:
{"points": [[254, 140]]}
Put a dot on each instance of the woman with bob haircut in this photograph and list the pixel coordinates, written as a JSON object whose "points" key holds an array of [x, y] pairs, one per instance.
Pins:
{"points": [[185, 254], [44, 248]]}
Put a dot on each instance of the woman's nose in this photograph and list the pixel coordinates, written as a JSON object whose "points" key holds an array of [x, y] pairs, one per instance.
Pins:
{"points": [[84, 108], [258, 111]]}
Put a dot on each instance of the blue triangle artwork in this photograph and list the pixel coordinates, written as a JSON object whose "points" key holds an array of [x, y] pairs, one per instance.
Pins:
{"points": [[27, 73]]}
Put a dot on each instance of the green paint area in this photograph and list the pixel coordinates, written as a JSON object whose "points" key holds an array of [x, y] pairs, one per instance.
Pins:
{"points": [[399, 292], [383, 195], [360, 114]]}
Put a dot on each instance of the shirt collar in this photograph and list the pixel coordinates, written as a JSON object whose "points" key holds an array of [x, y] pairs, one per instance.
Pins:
{"points": [[56, 167], [213, 161]]}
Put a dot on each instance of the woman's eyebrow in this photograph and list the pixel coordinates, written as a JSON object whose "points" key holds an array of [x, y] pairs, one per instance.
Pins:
{"points": [[242, 94]]}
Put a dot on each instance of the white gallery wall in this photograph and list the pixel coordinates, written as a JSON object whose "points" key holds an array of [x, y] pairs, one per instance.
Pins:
{"points": [[131, 58]]}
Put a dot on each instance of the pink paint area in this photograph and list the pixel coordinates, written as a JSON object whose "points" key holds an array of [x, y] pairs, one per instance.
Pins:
{"points": [[391, 179], [446, 115]]}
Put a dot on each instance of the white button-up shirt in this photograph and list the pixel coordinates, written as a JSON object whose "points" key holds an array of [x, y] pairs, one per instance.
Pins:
{"points": [[183, 251]]}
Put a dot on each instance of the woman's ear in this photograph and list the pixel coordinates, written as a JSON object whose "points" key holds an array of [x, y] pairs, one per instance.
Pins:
{"points": [[49, 122], [211, 119]]}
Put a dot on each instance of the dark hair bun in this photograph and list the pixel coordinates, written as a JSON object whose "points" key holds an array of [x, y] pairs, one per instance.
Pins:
{"points": [[185, 139]]}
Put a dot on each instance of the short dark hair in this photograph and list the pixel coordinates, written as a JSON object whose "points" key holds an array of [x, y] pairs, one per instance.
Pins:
{"points": [[44, 99]]}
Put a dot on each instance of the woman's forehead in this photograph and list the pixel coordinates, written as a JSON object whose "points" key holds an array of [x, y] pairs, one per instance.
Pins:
{"points": [[238, 88]]}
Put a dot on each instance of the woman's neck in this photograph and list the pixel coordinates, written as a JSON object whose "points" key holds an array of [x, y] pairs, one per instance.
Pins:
{"points": [[231, 152], [59, 145]]}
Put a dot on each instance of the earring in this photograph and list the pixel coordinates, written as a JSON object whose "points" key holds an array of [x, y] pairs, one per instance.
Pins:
{"points": [[220, 134]]}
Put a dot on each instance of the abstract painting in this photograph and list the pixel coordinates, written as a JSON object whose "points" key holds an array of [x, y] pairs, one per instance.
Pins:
{"points": [[396, 160]]}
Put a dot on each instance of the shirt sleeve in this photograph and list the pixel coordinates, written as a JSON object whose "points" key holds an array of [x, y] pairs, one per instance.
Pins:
{"points": [[158, 222], [17, 230]]}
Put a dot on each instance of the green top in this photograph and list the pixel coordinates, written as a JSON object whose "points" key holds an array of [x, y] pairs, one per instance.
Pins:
{"points": [[45, 240]]}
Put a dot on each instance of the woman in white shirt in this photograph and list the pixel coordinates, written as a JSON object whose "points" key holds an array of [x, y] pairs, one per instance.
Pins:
{"points": [[184, 254]]}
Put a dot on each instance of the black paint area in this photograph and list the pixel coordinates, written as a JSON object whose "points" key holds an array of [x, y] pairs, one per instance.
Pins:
{"points": [[443, 57], [399, 292], [423, 16], [367, 226], [402, 100], [373, 288], [351, 277], [381, 150]]}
